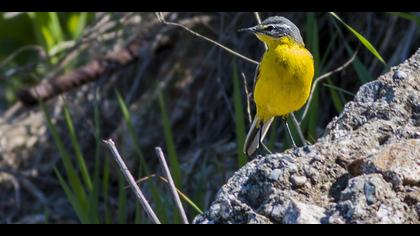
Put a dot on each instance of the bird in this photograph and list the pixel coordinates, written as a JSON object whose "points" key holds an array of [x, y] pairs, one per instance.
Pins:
{"points": [[283, 78]]}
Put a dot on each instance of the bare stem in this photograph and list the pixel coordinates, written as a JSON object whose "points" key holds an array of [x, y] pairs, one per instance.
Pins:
{"points": [[248, 98], [131, 181], [258, 18], [162, 19], [165, 168], [299, 130]]}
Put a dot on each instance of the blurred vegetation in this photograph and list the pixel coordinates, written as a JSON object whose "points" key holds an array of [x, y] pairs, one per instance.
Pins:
{"points": [[191, 100]]}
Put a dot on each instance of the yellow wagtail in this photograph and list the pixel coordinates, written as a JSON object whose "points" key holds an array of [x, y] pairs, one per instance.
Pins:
{"points": [[283, 78]]}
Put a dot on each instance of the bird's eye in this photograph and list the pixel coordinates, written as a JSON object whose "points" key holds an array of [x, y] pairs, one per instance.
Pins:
{"points": [[269, 27]]}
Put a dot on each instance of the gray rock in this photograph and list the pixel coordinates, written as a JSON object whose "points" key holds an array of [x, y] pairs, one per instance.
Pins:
{"points": [[275, 174], [369, 199], [399, 75], [298, 181], [364, 169], [397, 162], [301, 213]]}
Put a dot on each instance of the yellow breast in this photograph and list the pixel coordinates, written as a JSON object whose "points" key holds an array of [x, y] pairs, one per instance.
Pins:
{"points": [[284, 81]]}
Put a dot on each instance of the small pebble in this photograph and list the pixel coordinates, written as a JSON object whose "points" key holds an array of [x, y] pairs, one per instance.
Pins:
{"points": [[298, 181], [275, 174], [292, 168], [399, 75], [370, 190]]}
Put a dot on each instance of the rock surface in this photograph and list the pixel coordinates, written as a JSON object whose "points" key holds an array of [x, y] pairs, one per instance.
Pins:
{"points": [[365, 169]]}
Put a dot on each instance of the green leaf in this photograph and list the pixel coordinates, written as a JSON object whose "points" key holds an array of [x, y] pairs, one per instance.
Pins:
{"points": [[362, 39]]}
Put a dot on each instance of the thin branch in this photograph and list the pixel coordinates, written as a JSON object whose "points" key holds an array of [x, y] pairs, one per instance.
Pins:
{"points": [[248, 102], [162, 19], [165, 168], [258, 18], [131, 181], [298, 129], [163, 179], [322, 77]]}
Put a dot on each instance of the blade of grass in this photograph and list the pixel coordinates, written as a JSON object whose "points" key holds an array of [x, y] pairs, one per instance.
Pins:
{"points": [[161, 207], [332, 86], [122, 200], [407, 16], [79, 156], [360, 37], [313, 44], [335, 98], [138, 214], [76, 23], [273, 134], [73, 178], [183, 195], [170, 144], [55, 27], [362, 72], [105, 189], [171, 183], [328, 50], [71, 198], [96, 174], [239, 117]]}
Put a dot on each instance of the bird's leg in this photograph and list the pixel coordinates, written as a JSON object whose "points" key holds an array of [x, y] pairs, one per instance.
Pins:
{"points": [[261, 141], [299, 131], [284, 119]]}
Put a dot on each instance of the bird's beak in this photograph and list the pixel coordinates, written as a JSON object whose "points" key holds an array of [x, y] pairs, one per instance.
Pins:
{"points": [[253, 29]]}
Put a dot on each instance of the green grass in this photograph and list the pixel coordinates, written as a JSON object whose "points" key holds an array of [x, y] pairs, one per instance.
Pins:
{"points": [[161, 208], [239, 117], [309, 125], [80, 196], [174, 166], [410, 16], [170, 143], [362, 72], [361, 38], [87, 190]]}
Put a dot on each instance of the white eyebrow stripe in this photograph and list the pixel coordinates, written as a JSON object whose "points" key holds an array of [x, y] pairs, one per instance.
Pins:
{"points": [[285, 26]]}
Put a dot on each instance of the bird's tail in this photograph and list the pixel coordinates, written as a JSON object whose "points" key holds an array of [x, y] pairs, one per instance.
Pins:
{"points": [[252, 141]]}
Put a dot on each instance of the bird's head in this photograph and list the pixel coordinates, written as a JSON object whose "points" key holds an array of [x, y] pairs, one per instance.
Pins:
{"points": [[274, 29]]}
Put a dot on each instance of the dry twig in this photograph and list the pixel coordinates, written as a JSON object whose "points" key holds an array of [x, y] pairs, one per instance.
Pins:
{"points": [[172, 186], [162, 19], [130, 179]]}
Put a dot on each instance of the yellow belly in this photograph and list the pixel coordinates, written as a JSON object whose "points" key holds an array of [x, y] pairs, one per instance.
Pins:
{"points": [[284, 81]]}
